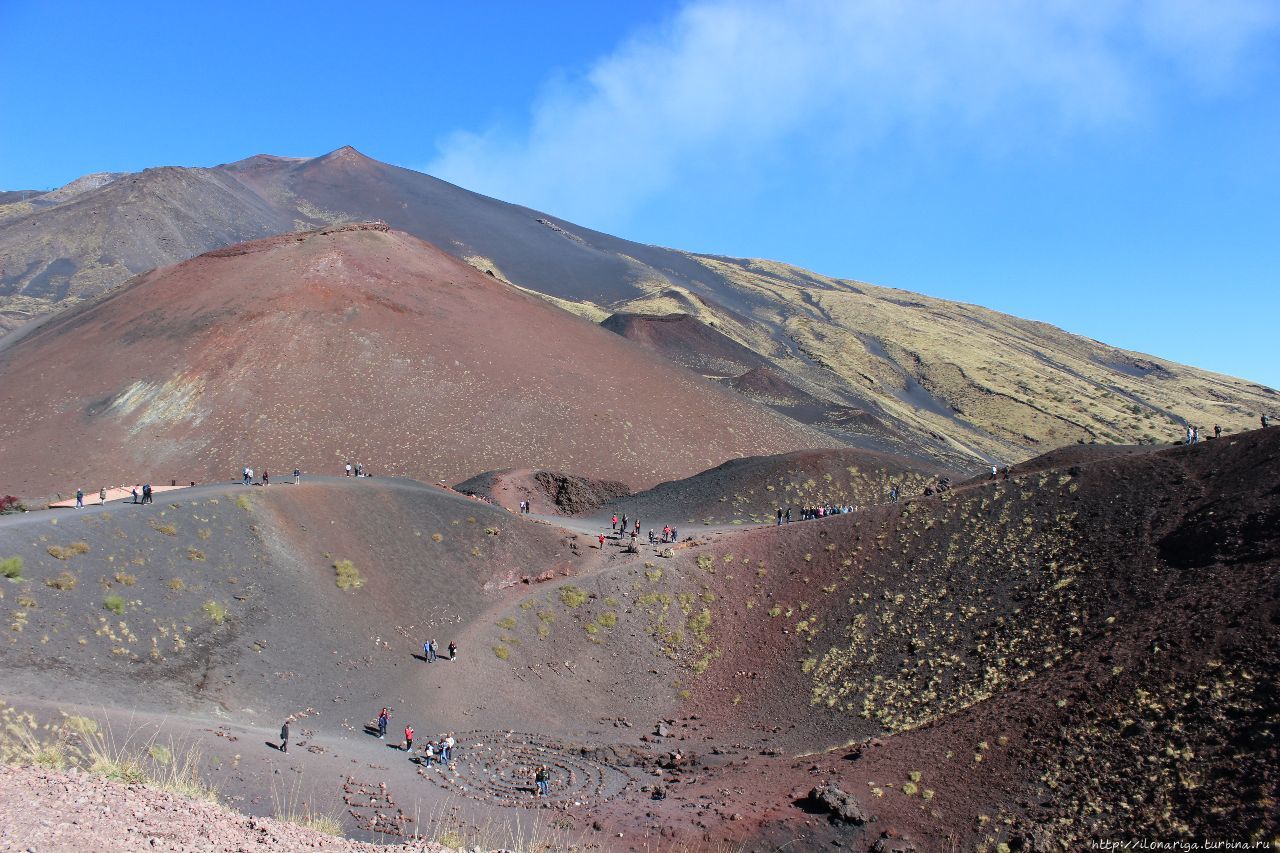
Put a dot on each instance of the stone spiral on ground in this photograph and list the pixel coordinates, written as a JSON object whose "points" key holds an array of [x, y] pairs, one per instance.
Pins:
{"points": [[497, 767]]}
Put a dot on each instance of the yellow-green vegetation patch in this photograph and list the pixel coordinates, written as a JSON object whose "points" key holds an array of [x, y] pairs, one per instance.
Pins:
{"points": [[63, 581], [176, 584], [204, 532], [66, 552], [608, 619], [705, 562], [167, 528], [436, 537], [654, 575], [125, 578], [114, 603], [347, 575], [547, 616], [502, 652], [572, 596], [507, 623], [11, 568], [216, 611], [244, 503], [195, 555]]}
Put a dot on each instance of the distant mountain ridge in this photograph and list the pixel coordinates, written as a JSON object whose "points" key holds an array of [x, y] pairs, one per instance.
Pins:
{"points": [[928, 377]]}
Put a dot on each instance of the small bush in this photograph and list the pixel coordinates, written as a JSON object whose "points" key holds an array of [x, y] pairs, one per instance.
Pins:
{"points": [[507, 623], [216, 612], [572, 596], [502, 652], [909, 788], [492, 531], [204, 532], [64, 581], [244, 503], [66, 552], [436, 537], [167, 528], [114, 603], [11, 568], [608, 619], [348, 576], [176, 584], [195, 555], [126, 579]]}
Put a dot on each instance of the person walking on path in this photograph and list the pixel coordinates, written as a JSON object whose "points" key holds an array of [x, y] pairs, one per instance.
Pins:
{"points": [[297, 476], [429, 753], [266, 477], [408, 738], [359, 469], [79, 498], [135, 493], [615, 523], [453, 650], [284, 737], [1265, 422], [543, 779], [102, 496], [348, 469], [384, 717], [601, 537], [146, 494], [1217, 431], [432, 646], [447, 752]]}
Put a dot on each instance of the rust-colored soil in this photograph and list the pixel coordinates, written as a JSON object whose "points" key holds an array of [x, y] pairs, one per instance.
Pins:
{"points": [[352, 344]]}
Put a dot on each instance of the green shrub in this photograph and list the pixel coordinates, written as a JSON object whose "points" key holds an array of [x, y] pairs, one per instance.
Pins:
{"points": [[502, 652], [11, 568], [572, 596], [348, 576], [216, 612], [114, 603]]}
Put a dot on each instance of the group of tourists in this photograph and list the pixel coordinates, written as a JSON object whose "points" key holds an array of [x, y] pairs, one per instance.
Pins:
{"points": [[524, 507], [357, 469], [431, 652], [141, 494], [808, 513], [430, 751], [622, 527], [246, 476]]}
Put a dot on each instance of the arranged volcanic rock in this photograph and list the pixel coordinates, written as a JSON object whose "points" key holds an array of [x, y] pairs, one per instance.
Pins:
{"points": [[354, 343]]}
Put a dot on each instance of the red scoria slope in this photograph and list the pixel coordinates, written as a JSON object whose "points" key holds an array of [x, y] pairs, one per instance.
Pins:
{"points": [[352, 343]]}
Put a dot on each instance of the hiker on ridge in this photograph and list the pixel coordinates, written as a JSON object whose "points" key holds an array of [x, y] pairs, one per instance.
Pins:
{"points": [[1217, 431], [284, 737], [615, 522], [601, 537], [453, 650], [135, 492], [266, 477], [384, 717], [79, 498], [408, 738], [102, 496]]}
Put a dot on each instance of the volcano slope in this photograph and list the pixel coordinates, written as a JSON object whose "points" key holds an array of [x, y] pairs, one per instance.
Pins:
{"points": [[915, 373], [751, 490], [351, 344], [1072, 654]]}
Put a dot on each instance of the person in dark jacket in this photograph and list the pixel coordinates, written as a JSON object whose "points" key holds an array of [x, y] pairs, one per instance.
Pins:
{"points": [[284, 737]]}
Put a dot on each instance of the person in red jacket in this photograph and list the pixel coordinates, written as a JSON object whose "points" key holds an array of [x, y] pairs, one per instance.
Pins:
{"points": [[408, 738], [601, 537]]}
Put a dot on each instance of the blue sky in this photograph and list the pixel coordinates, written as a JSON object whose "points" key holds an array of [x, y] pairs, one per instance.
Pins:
{"points": [[1110, 168]]}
